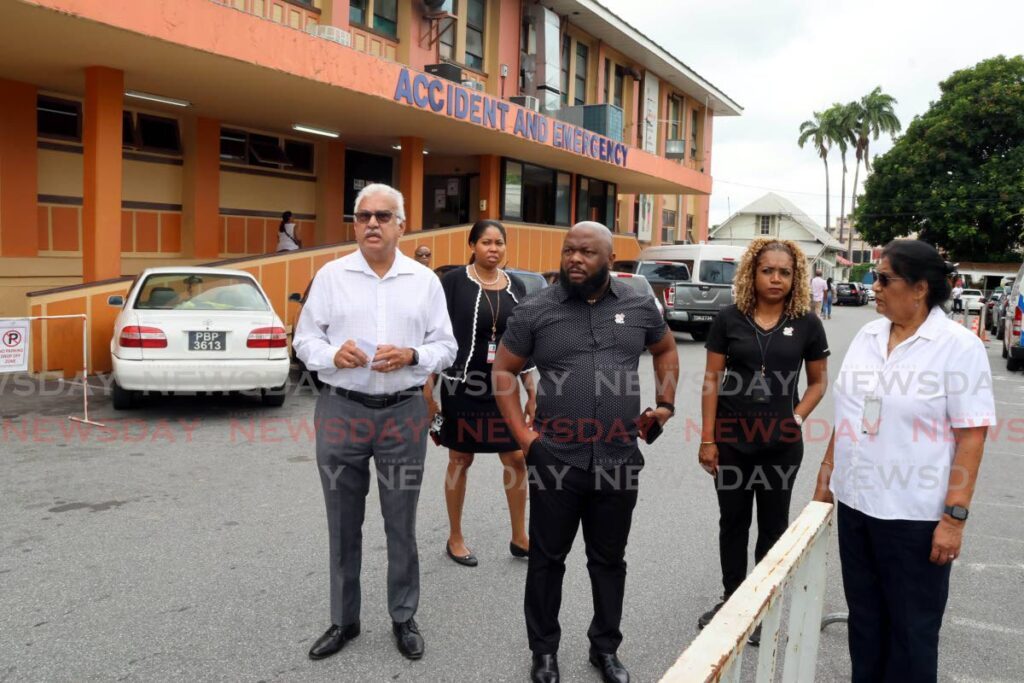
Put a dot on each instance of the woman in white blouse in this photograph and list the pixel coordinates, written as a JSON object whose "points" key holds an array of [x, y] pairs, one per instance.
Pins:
{"points": [[913, 403]]}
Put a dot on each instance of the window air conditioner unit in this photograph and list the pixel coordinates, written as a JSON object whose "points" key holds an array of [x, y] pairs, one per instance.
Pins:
{"points": [[473, 85], [675, 149], [334, 34], [450, 72], [526, 102]]}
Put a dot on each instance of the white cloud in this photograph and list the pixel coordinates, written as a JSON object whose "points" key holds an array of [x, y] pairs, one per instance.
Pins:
{"points": [[785, 59]]}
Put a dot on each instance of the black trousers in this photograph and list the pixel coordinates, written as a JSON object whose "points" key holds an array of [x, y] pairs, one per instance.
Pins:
{"points": [[766, 477], [561, 498], [958, 306], [896, 597]]}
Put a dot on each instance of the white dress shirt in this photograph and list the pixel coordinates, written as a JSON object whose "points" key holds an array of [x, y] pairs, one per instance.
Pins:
{"points": [[936, 380], [406, 308]]}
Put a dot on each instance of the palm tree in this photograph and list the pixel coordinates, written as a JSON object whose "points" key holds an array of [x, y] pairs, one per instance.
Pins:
{"points": [[874, 115], [815, 129], [839, 120]]}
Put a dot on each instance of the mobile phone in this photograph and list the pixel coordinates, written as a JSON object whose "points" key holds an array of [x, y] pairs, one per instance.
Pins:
{"points": [[654, 428], [435, 429]]}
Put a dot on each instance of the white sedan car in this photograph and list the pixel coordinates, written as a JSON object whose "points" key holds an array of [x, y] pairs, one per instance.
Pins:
{"points": [[197, 329], [972, 299]]}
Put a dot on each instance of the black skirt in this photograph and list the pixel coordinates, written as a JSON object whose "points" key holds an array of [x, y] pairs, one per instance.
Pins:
{"points": [[472, 421]]}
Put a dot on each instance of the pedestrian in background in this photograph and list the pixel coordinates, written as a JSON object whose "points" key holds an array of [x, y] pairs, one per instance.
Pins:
{"points": [[481, 298], [913, 404], [818, 287], [958, 293], [374, 327], [752, 412], [830, 292], [586, 335], [423, 255], [287, 234]]}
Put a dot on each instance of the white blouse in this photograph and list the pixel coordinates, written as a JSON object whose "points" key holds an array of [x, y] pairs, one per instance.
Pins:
{"points": [[936, 380]]}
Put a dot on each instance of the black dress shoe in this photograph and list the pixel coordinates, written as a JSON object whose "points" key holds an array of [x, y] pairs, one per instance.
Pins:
{"points": [[544, 669], [612, 670], [518, 551], [408, 639], [468, 560], [755, 637], [706, 618], [333, 640]]}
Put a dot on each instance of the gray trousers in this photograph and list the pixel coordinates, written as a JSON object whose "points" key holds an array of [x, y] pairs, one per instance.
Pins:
{"points": [[348, 434]]}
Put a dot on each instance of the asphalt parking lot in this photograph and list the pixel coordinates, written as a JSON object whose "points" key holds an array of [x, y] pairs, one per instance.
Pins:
{"points": [[187, 541]]}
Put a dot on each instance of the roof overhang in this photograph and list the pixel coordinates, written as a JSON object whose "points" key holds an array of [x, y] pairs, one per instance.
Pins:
{"points": [[605, 25]]}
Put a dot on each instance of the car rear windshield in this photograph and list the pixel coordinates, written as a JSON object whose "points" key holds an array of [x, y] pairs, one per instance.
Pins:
{"points": [[665, 272], [638, 283], [717, 272], [200, 292]]}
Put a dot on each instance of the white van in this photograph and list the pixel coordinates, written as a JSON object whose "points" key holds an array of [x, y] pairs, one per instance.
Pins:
{"points": [[692, 305]]}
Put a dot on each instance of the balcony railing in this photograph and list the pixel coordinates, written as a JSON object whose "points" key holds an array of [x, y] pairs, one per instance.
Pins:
{"points": [[291, 13]]}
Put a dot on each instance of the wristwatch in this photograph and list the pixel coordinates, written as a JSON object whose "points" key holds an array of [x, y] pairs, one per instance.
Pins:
{"points": [[670, 407], [957, 512], [415, 357]]}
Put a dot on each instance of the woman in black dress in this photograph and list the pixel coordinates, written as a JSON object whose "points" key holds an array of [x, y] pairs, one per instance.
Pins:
{"points": [[480, 300]]}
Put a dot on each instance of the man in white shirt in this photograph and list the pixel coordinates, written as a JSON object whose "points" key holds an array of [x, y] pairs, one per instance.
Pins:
{"points": [[958, 302], [375, 325], [818, 288]]}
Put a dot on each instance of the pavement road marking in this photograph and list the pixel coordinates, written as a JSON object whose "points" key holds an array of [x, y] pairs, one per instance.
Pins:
{"points": [[983, 626]]}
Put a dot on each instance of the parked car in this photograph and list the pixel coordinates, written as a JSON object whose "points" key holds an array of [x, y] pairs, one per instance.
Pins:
{"points": [[972, 300], [300, 299], [999, 316], [441, 270], [661, 275], [851, 294], [870, 292], [693, 304], [642, 285], [1013, 350], [197, 329], [991, 304], [531, 281]]}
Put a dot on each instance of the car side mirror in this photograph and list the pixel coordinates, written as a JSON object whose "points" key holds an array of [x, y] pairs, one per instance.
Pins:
{"points": [[296, 297], [115, 300]]}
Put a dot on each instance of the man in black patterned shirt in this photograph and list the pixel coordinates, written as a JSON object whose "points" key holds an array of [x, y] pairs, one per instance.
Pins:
{"points": [[586, 336]]}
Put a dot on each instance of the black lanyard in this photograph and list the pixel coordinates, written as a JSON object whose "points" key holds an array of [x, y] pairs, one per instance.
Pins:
{"points": [[757, 337]]}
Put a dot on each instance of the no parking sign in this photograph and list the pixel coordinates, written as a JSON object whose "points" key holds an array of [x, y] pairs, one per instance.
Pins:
{"points": [[13, 345]]}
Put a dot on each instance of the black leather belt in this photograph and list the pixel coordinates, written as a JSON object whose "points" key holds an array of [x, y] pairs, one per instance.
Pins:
{"points": [[377, 401]]}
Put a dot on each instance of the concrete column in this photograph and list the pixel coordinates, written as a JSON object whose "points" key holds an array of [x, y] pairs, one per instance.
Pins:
{"points": [[18, 170], [201, 225], [410, 181], [330, 194], [490, 186], [335, 13], [101, 201]]}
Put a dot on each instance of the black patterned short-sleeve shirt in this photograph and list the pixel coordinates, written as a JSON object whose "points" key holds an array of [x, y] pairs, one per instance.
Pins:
{"points": [[587, 355]]}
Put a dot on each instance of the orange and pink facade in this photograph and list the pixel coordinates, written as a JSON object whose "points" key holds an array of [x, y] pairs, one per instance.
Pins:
{"points": [[178, 131]]}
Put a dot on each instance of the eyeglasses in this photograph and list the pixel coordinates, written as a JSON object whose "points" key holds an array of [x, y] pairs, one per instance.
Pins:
{"points": [[383, 217], [885, 279], [423, 254]]}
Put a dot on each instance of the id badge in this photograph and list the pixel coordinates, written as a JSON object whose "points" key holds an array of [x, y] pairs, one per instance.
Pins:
{"points": [[492, 350], [872, 415]]}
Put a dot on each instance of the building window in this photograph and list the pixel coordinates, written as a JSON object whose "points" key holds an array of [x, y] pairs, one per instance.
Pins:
{"points": [[266, 151], [607, 81], [675, 118], [476, 15], [563, 199], [694, 122], [582, 54], [513, 197], [234, 145], [60, 119], [385, 17], [300, 154], [566, 65], [534, 194], [446, 41], [357, 12], [595, 201], [689, 229], [668, 225], [764, 224], [620, 77], [157, 134]]}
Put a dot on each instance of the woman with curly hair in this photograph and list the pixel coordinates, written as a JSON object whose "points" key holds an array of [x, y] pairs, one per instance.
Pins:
{"points": [[751, 439]]}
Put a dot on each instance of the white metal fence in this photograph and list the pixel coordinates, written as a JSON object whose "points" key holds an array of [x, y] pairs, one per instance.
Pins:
{"points": [[795, 566]]}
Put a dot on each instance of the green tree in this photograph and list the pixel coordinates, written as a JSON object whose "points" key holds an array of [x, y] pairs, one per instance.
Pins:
{"points": [[815, 129], [873, 115], [839, 121], [956, 178]]}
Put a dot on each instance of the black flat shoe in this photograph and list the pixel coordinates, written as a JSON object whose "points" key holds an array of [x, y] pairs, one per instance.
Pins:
{"points": [[544, 669], [333, 640], [408, 639], [518, 551], [468, 560], [755, 637], [706, 618], [612, 670]]}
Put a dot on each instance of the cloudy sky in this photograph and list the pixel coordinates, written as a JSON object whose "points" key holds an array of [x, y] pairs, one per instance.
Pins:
{"points": [[784, 59]]}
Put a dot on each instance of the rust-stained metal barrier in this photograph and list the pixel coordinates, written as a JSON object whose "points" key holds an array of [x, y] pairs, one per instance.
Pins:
{"points": [[795, 565]]}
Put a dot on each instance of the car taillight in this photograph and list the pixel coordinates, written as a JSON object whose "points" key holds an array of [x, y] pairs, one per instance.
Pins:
{"points": [[1016, 321], [669, 294], [267, 338], [142, 337]]}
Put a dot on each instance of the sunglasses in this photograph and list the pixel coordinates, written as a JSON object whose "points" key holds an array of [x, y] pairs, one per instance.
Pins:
{"points": [[885, 279], [383, 217], [423, 254]]}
